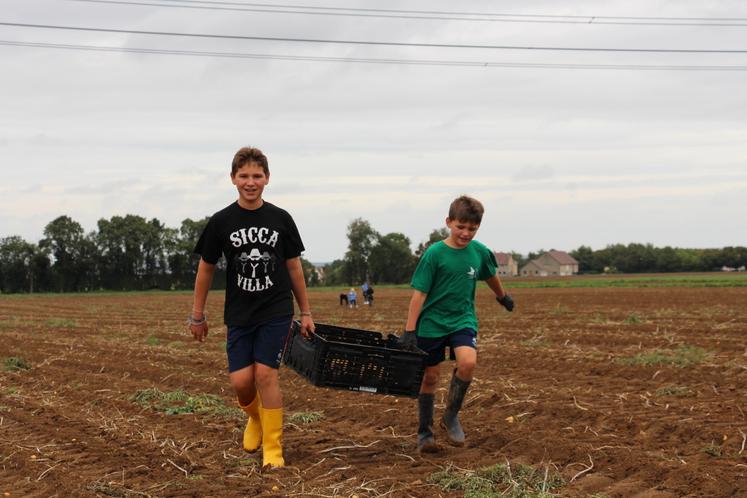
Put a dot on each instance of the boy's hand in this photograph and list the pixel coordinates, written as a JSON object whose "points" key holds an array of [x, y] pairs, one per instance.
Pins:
{"points": [[307, 325], [198, 328], [506, 302], [408, 340]]}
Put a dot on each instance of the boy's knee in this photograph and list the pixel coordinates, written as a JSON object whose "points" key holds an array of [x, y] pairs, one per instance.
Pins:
{"points": [[242, 379], [430, 379], [466, 369], [265, 376]]}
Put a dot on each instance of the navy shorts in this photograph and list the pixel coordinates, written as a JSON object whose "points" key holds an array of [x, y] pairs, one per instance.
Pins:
{"points": [[436, 346], [261, 343]]}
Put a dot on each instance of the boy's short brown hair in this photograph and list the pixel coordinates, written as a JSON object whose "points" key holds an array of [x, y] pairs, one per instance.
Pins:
{"points": [[465, 208], [247, 155]]}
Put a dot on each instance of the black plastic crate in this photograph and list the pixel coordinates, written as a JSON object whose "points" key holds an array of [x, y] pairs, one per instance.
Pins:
{"points": [[357, 360]]}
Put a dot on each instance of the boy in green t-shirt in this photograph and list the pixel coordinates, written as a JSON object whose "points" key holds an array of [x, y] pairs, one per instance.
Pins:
{"points": [[442, 313]]}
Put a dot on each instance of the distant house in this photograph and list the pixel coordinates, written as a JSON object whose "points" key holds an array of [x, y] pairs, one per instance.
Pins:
{"points": [[551, 263], [507, 265], [533, 269], [558, 263]]}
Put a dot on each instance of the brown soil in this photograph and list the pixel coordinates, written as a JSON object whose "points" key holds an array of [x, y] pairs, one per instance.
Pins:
{"points": [[552, 390]]}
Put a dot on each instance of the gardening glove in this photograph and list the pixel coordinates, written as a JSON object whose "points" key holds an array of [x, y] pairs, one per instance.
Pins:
{"points": [[506, 302], [408, 340]]}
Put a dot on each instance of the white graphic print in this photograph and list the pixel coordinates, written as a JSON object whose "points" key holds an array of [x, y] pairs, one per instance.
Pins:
{"points": [[471, 273], [254, 265]]}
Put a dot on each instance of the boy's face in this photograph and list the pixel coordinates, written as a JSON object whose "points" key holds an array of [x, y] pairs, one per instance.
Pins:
{"points": [[462, 232], [250, 181]]}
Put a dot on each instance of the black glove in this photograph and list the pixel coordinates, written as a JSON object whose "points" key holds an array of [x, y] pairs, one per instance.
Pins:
{"points": [[408, 341], [506, 302]]}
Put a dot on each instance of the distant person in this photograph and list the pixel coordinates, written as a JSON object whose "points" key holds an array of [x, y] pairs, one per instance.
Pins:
{"points": [[442, 313], [258, 306], [352, 298], [364, 292], [369, 295], [343, 299]]}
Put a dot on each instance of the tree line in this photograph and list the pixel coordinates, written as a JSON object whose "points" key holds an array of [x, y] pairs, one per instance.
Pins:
{"points": [[645, 258], [133, 253], [124, 253]]}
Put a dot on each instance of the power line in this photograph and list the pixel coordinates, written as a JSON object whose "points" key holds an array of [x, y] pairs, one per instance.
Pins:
{"points": [[375, 43], [367, 60], [427, 15], [579, 18]]}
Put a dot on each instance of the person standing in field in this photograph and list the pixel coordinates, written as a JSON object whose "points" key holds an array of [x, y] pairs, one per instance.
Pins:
{"points": [[352, 298], [369, 296], [259, 297], [442, 313], [367, 293]]}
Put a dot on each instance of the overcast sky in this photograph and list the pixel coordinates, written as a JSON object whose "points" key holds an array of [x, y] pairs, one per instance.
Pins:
{"points": [[561, 157]]}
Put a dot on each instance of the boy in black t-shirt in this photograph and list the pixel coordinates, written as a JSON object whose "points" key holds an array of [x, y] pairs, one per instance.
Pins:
{"points": [[262, 248]]}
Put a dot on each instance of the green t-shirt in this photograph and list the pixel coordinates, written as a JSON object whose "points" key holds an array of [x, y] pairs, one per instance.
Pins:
{"points": [[449, 277]]}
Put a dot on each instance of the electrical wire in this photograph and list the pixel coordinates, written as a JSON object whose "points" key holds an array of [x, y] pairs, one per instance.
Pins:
{"points": [[437, 15], [376, 43], [366, 60]]}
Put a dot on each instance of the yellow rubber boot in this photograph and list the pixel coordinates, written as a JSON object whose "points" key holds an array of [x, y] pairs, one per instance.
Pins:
{"points": [[272, 433], [253, 430]]}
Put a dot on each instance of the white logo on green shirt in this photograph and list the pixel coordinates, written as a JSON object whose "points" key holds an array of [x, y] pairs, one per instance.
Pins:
{"points": [[471, 273]]}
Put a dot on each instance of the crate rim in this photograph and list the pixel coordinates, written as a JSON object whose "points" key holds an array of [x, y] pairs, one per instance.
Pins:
{"points": [[417, 351]]}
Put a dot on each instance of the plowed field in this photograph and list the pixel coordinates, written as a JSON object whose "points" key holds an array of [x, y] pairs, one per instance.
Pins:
{"points": [[594, 392]]}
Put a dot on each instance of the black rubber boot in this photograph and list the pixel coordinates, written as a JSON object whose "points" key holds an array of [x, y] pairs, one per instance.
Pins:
{"points": [[450, 420], [426, 442]]}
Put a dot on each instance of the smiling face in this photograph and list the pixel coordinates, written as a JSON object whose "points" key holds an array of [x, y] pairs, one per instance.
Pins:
{"points": [[461, 233], [250, 180]]}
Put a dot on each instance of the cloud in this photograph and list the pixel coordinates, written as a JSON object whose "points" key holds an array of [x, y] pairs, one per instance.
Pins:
{"points": [[99, 134]]}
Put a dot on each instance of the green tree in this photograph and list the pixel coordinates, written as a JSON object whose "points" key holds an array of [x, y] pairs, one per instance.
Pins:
{"points": [[154, 270], [133, 252], [24, 267], [637, 258], [391, 259], [688, 259], [39, 269], [585, 257], [436, 235], [334, 273], [361, 239], [180, 245], [710, 259], [667, 260], [733, 256], [65, 239]]}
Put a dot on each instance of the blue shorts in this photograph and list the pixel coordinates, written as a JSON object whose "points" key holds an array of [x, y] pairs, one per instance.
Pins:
{"points": [[436, 346], [261, 343]]}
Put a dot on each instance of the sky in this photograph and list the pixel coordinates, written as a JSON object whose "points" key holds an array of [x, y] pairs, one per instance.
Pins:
{"points": [[562, 150]]}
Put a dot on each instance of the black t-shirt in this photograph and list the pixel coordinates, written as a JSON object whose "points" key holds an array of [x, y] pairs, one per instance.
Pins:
{"points": [[256, 244]]}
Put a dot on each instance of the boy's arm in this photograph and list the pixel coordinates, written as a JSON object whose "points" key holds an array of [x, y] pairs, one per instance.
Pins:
{"points": [[298, 286], [496, 285], [197, 319], [501, 295], [413, 313], [409, 340]]}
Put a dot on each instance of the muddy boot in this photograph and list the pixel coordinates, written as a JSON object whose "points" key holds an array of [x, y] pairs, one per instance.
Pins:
{"points": [[426, 443], [272, 434], [450, 421], [253, 430]]}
